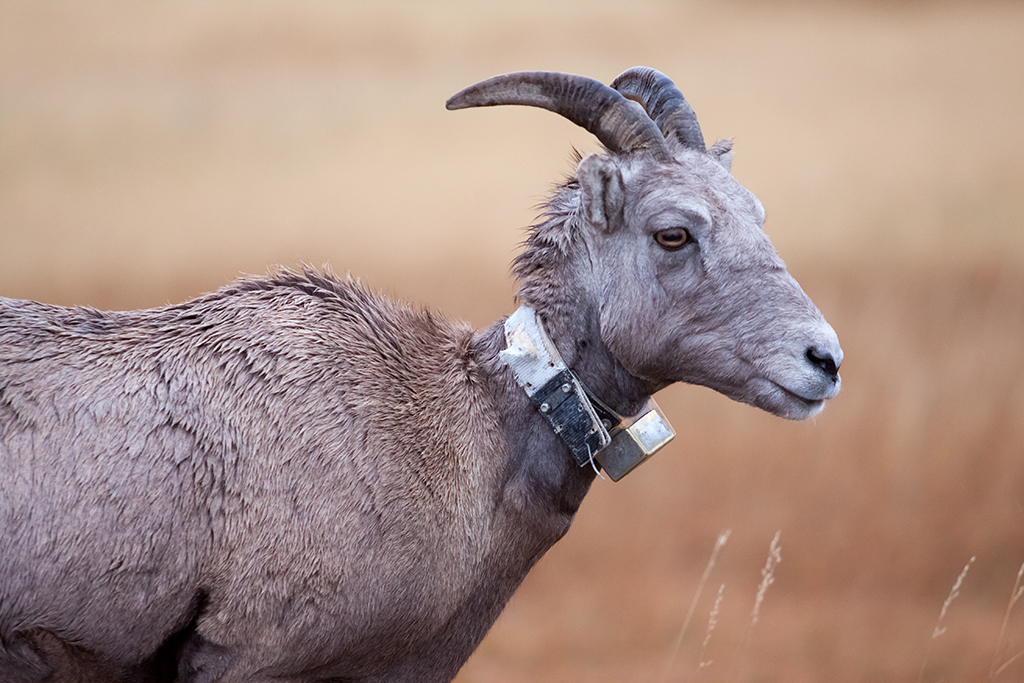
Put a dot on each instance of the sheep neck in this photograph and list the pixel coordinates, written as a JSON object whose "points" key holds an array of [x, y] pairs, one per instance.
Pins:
{"points": [[584, 424]]}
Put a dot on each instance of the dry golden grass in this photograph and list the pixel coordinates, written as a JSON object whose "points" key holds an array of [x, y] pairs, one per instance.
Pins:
{"points": [[152, 151]]}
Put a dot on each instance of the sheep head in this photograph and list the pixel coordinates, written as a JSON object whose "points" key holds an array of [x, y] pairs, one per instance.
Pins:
{"points": [[658, 251]]}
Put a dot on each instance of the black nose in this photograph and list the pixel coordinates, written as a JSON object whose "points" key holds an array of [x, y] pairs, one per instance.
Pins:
{"points": [[824, 360]]}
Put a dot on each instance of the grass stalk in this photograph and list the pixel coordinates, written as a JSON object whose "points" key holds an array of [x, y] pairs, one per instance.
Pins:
{"points": [[767, 579], [995, 669], [940, 626], [712, 622], [722, 539]]}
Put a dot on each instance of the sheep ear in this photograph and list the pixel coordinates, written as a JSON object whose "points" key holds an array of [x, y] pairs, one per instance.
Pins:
{"points": [[721, 151], [603, 192]]}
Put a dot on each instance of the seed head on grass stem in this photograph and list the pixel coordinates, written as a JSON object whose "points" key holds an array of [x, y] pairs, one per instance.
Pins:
{"points": [[712, 622], [940, 626], [767, 579]]}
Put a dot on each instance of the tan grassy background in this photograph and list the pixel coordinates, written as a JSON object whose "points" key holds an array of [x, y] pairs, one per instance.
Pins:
{"points": [[150, 151]]}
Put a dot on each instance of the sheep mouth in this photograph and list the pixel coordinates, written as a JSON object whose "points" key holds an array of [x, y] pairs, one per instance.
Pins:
{"points": [[789, 404]]}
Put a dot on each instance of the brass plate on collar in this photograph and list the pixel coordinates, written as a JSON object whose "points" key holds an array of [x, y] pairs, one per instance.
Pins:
{"points": [[636, 443]]}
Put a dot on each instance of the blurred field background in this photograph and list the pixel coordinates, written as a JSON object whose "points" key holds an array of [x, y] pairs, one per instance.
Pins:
{"points": [[151, 151]]}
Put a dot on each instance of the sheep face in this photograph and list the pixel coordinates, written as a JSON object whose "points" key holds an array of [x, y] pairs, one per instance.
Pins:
{"points": [[689, 287], [676, 267]]}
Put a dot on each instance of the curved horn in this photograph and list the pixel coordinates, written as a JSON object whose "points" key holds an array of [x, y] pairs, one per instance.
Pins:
{"points": [[590, 104], [663, 102]]}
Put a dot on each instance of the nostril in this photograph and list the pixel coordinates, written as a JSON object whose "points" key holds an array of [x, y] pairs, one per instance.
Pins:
{"points": [[824, 360]]}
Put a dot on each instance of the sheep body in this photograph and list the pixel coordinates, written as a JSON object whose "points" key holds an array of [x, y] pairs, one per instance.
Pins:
{"points": [[290, 450]]}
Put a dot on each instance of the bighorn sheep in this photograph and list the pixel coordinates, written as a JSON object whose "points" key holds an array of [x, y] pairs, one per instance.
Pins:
{"points": [[294, 479]]}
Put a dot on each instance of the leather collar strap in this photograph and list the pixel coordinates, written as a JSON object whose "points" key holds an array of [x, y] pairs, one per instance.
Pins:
{"points": [[552, 387]]}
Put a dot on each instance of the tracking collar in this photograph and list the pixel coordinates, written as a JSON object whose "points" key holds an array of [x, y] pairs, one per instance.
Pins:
{"points": [[591, 430]]}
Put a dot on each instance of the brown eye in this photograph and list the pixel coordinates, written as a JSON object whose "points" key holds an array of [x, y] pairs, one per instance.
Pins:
{"points": [[672, 238]]}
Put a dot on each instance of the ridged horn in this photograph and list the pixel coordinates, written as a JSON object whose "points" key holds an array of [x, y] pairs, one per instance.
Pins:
{"points": [[663, 102], [592, 105]]}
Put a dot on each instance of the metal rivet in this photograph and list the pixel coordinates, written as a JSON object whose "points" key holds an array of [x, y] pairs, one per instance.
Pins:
{"points": [[566, 388], [544, 407]]}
